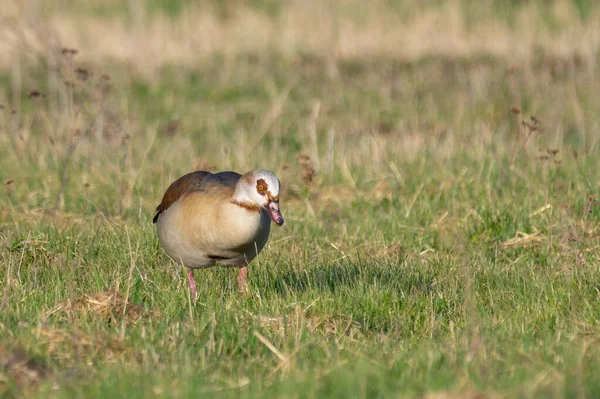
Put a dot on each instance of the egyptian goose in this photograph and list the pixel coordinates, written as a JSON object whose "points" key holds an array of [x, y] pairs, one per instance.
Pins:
{"points": [[223, 218]]}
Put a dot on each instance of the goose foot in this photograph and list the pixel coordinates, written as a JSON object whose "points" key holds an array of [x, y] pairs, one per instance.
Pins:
{"points": [[192, 284], [242, 275]]}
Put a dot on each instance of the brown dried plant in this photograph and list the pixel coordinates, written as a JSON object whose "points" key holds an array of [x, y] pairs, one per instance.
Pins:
{"points": [[74, 109], [308, 170], [525, 130], [106, 305]]}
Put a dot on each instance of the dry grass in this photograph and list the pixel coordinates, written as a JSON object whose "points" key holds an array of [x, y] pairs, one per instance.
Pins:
{"points": [[70, 346], [104, 305], [66, 347], [336, 30], [316, 323], [16, 368], [523, 239], [459, 395]]}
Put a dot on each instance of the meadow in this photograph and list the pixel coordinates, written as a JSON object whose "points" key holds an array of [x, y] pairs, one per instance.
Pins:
{"points": [[439, 165]]}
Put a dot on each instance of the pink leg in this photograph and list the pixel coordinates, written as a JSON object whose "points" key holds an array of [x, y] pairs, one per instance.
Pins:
{"points": [[192, 283], [242, 275]]}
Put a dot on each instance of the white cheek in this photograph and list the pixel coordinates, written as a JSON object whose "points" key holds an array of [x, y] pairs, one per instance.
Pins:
{"points": [[274, 188], [259, 199]]}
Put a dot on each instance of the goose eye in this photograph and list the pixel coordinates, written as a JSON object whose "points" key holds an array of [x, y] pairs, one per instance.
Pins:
{"points": [[261, 186]]}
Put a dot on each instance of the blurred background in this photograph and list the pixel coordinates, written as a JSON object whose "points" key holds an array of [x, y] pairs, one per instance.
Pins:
{"points": [[350, 88]]}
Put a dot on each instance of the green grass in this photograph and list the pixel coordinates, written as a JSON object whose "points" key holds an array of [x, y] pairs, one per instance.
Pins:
{"points": [[435, 250]]}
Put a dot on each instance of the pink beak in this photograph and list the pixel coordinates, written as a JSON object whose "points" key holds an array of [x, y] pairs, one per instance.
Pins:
{"points": [[274, 212]]}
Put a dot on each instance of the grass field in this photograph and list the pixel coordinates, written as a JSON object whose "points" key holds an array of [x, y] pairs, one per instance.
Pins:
{"points": [[439, 163]]}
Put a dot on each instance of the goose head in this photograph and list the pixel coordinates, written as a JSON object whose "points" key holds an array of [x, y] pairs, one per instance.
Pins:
{"points": [[260, 188]]}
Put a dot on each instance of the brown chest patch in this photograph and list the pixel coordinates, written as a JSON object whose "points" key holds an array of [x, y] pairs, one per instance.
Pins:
{"points": [[247, 205]]}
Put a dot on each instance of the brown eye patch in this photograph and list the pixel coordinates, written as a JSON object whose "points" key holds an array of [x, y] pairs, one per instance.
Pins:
{"points": [[261, 186]]}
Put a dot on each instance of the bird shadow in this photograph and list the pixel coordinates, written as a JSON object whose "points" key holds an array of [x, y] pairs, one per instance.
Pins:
{"points": [[328, 279], [346, 276]]}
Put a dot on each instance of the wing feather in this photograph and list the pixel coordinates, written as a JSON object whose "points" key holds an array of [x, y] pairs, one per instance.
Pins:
{"points": [[222, 179], [189, 182], [196, 181]]}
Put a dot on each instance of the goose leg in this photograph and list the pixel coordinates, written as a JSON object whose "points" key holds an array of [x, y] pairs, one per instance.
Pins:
{"points": [[242, 275], [192, 283]]}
